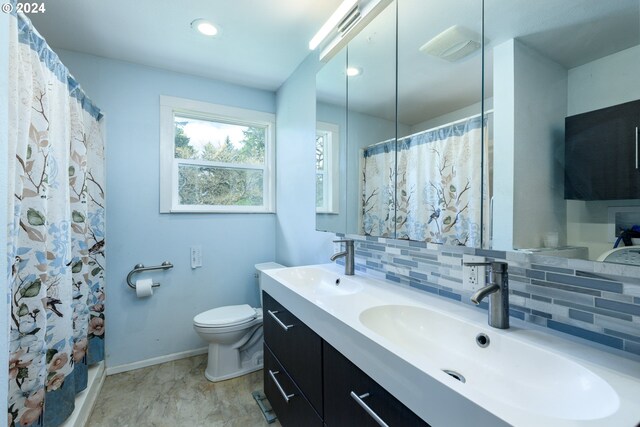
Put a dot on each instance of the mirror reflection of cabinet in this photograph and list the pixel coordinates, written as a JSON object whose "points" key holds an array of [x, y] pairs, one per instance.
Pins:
{"points": [[601, 154], [546, 61]]}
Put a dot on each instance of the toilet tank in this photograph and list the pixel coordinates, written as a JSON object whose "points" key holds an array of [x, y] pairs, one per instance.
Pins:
{"points": [[260, 268]]}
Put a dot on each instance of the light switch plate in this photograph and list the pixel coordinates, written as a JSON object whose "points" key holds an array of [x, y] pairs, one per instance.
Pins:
{"points": [[473, 277], [196, 256]]}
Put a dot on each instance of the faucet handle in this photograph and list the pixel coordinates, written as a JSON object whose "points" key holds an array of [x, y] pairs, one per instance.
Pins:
{"points": [[347, 241]]}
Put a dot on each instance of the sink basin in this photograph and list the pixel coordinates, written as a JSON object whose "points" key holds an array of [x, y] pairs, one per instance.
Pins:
{"points": [[508, 370], [316, 281]]}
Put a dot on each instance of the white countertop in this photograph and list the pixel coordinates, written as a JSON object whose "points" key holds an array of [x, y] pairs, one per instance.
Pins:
{"points": [[418, 381]]}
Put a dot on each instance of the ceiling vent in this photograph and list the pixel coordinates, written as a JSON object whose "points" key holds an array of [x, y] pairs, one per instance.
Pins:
{"points": [[453, 44]]}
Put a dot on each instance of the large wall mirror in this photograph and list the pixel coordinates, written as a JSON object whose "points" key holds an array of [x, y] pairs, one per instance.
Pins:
{"points": [[562, 178], [413, 112], [549, 165]]}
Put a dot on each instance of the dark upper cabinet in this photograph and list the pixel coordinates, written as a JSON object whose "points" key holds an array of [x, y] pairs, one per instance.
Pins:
{"points": [[601, 154]]}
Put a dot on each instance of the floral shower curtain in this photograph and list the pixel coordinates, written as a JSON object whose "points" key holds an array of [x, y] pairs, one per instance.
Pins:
{"points": [[439, 185], [56, 233]]}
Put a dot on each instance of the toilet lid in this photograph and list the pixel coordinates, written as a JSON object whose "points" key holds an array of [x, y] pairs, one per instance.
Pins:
{"points": [[225, 316]]}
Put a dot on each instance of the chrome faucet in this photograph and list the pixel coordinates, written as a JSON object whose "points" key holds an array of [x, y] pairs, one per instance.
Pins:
{"points": [[348, 254], [498, 291]]}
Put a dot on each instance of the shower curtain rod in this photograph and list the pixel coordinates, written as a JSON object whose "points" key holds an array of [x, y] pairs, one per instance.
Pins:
{"points": [[428, 130], [448, 124]]}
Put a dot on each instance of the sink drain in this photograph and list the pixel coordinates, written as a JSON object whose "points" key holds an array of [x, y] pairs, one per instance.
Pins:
{"points": [[482, 340], [455, 375]]}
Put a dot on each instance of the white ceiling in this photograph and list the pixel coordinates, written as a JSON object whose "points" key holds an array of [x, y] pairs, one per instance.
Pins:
{"points": [[263, 41], [261, 44]]}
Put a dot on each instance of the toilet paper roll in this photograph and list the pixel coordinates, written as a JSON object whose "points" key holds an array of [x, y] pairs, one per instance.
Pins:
{"points": [[144, 288]]}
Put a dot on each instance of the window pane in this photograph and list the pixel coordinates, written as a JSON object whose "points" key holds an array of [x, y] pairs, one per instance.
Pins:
{"points": [[218, 142], [320, 151], [206, 185], [319, 190]]}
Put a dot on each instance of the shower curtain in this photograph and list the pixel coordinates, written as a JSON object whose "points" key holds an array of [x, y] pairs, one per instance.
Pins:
{"points": [[56, 233], [438, 187]]}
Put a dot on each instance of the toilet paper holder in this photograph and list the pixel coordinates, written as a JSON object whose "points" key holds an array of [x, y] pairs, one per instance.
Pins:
{"points": [[140, 267]]}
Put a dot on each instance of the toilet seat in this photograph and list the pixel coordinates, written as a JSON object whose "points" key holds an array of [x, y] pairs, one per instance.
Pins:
{"points": [[230, 315]]}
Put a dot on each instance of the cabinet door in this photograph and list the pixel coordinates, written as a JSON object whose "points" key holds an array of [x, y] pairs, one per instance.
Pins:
{"points": [[289, 404], [601, 154], [343, 382], [296, 347]]}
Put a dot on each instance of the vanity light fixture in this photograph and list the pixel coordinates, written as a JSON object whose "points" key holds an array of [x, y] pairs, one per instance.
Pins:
{"points": [[354, 71], [205, 27], [352, 22], [453, 44], [344, 10]]}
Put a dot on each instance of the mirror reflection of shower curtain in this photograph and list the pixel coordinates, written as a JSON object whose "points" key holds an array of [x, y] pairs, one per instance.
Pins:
{"points": [[377, 203], [56, 234], [439, 185]]}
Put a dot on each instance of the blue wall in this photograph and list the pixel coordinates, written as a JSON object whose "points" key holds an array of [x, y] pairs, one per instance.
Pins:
{"points": [[140, 329], [297, 241], [4, 125]]}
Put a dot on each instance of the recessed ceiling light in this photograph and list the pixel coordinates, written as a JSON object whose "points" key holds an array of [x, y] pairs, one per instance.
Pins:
{"points": [[204, 27], [354, 71]]}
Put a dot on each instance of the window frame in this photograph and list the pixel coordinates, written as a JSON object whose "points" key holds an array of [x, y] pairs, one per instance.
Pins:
{"points": [[331, 180], [169, 165]]}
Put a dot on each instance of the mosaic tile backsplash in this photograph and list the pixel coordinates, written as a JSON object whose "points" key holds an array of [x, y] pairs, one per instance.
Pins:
{"points": [[596, 301]]}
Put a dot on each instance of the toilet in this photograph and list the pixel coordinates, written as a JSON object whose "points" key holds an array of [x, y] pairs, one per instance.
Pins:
{"points": [[234, 334]]}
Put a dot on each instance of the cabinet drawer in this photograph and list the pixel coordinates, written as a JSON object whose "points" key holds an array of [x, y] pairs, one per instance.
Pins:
{"points": [[341, 378], [297, 347], [278, 387]]}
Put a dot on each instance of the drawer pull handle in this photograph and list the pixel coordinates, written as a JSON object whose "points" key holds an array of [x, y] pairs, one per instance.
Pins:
{"points": [[366, 407], [282, 392], [636, 147], [273, 314]]}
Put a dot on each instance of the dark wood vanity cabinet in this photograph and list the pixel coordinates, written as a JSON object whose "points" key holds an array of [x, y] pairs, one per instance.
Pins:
{"points": [[309, 383], [349, 395], [287, 400], [601, 154], [297, 349]]}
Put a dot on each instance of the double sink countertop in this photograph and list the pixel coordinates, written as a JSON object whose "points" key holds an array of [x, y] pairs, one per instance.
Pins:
{"points": [[406, 339]]}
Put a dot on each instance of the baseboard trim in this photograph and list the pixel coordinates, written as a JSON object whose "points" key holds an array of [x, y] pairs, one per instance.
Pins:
{"points": [[155, 361], [86, 400]]}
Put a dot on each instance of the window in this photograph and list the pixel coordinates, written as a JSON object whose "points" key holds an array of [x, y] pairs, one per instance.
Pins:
{"points": [[327, 171], [215, 158]]}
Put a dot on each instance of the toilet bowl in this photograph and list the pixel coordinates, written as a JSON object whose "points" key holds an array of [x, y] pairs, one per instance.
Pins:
{"points": [[234, 334]]}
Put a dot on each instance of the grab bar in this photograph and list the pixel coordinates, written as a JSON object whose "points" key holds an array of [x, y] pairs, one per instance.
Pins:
{"points": [[140, 267]]}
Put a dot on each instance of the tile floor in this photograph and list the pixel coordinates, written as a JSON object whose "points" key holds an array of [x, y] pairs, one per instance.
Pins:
{"points": [[177, 394]]}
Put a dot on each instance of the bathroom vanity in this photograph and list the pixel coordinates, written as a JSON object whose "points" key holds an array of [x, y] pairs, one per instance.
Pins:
{"points": [[310, 383], [345, 350]]}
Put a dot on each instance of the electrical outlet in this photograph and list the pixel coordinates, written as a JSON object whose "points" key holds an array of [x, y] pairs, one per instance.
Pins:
{"points": [[196, 256], [473, 277]]}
